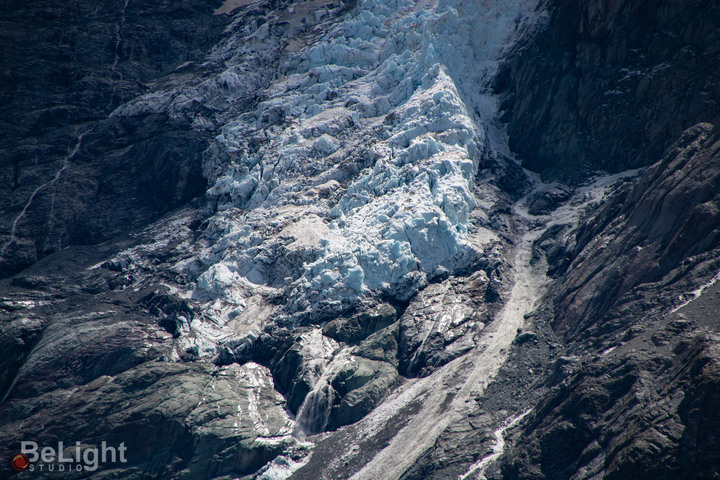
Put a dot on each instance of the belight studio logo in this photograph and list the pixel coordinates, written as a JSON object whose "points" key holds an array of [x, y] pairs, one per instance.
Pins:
{"points": [[77, 458]]}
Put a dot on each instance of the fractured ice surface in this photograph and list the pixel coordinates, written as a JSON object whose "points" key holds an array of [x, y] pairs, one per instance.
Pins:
{"points": [[354, 163], [397, 90]]}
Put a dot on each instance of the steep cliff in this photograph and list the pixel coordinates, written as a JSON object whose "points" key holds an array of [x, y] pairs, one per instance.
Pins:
{"points": [[609, 85], [70, 174]]}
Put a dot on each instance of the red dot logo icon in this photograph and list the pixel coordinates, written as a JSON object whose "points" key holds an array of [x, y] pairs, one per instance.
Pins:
{"points": [[20, 462]]}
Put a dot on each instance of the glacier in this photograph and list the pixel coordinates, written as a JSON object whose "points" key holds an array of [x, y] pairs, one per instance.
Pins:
{"points": [[366, 170], [301, 245], [379, 131]]}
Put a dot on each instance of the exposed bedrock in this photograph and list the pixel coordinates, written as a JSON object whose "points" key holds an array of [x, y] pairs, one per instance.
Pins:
{"points": [[68, 174], [634, 300], [609, 85], [640, 410], [663, 231]]}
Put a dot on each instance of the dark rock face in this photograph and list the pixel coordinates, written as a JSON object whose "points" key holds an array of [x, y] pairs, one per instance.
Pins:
{"points": [[637, 395], [548, 199], [444, 321], [85, 358], [361, 325], [70, 175], [171, 416], [646, 408], [609, 85], [656, 231], [362, 385]]}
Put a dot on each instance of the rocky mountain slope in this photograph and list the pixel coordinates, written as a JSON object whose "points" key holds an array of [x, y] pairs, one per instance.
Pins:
{"points": [[637, 73], [295, 239], [635, 392], [71, 175]]}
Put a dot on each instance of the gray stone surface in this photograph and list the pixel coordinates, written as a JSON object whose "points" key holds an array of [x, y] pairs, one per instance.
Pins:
{"points": [[444, 321], [610, 85]]}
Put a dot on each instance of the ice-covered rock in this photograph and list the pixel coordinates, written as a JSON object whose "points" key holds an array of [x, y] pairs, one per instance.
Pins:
{"points": [[406, 106], [352, 166]]}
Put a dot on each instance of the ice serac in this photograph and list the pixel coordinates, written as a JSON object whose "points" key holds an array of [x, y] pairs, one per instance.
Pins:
{"points": [[377, 129]]}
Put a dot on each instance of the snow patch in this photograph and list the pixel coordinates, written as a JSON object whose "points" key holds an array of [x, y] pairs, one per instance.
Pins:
{"points": [[687, 298]]}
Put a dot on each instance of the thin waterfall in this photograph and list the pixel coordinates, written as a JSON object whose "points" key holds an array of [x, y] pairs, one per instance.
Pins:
{"points": [[313, 414]]}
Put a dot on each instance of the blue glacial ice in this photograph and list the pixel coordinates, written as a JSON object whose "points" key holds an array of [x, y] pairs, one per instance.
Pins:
{"points": [[379, 130]]}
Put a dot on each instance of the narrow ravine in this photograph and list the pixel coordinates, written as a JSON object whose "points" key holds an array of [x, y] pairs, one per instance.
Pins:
{"points": [[469, 375]]}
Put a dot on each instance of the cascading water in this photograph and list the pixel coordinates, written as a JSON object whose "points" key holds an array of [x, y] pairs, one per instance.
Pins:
{"points": [[313, 414]]}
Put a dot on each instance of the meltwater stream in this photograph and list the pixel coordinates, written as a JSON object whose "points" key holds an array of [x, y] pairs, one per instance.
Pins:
{"points": [[477, 470], [312, 416]]}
